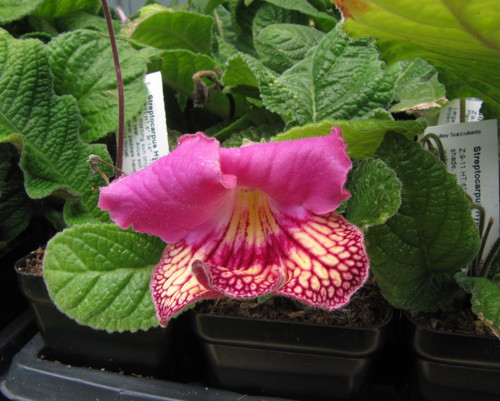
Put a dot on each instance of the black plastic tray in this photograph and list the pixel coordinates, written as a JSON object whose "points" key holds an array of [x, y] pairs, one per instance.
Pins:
{"points": [[14, 336], [30, 378]]}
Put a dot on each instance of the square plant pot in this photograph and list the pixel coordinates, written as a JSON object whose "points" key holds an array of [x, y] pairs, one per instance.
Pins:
{"points": [[290, 359], [35, 235], [152, 352], [454, 366]]}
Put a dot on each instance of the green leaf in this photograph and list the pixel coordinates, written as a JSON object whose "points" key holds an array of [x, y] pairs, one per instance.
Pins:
{"points": [[280, 46], [224, 50], [98, 274], [15, 209], [176, 30], [83, 20], [149, 8], [242, 16], [248, 18], [362, 137], [339, 79], [250, 134], [417, 88], [16, 9], [242, 75], [258, 125], [40, 28], [51, 9], [460, 38], [415, 254], [45, 127], [375, 194], [269, 14], [223, 25], [82, 65], [211, 5], [225, 36], [260, 121], [325, 21], [485, 299], [178, 68]]}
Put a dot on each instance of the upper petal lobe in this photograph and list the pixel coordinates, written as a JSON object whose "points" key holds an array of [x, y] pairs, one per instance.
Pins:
{"points": [[308, 173], [179, 193]]}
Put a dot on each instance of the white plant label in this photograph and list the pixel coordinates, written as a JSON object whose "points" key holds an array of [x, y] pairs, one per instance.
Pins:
{"points": [[145, 136], [450, 114], [472, 156]]}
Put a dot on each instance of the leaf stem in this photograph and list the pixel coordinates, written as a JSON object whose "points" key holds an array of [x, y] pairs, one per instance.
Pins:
{"points": [[487, 270], [476, 268], [480, 269], [476, 262], [121, 96], [95, 161], [438, 150]]}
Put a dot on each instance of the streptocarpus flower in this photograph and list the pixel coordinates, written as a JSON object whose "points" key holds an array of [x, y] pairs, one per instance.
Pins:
{"points": [[244, 222]]}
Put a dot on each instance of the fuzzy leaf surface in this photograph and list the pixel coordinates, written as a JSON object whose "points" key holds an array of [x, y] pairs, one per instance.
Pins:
{"points": [[243, 74], [485, 299], [461, 39], [324, 20], [416, 253], [45, 127], [84, 20], [270, 14], [261, 123], [176, 30], [51, 9], [223, 26], [362, 137], [81, 62], [417, 87], [98, 274], [16, 9], [280, 46], [339, 79], [242, 17], [375, 194]]}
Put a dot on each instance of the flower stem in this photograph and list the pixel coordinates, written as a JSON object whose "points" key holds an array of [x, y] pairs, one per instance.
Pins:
{"points": [[119, 81]]}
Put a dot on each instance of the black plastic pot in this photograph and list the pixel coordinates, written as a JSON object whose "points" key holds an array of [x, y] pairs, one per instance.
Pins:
{"points": [[454, 366], [11, 299], [287, 359], [30, 378], [148, 352]]}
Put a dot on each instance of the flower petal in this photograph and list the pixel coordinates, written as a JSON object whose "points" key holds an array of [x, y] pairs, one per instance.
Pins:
{"points": [[238, 257], [251, 282], [308, 172], [326, 260], [177, 194], [320, 260], [190, 188], [172, 285], [245, 261]]}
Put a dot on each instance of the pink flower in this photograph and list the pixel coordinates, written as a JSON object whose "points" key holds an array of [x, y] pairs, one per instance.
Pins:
{"points": [[244, 222]]}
